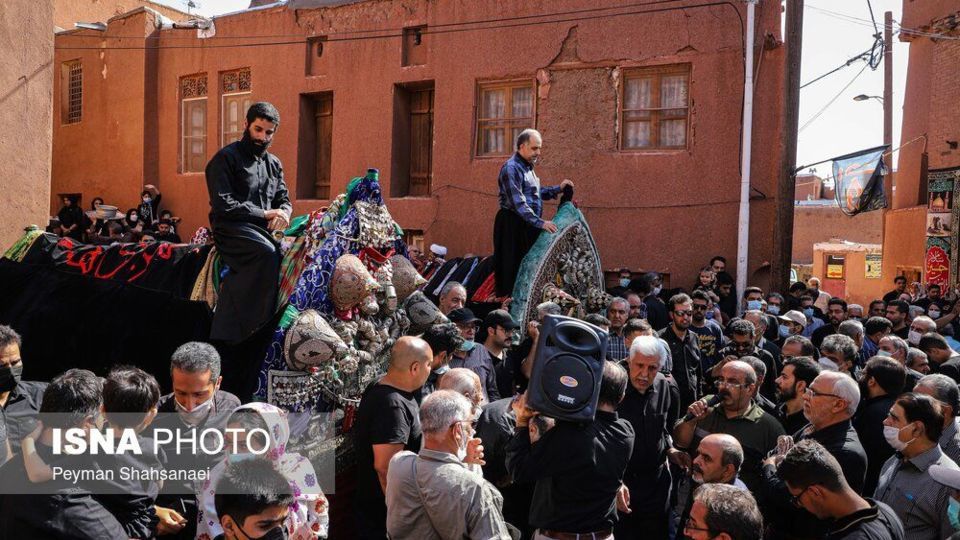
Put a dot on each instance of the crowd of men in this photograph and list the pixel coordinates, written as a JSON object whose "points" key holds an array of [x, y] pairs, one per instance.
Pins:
{"points": [[720, 415]]}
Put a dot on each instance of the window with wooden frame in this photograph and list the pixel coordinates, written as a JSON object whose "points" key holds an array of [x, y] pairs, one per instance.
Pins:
{"points": [[71, 92], [236, 98], [193, 121], [655, 108], [504, 109]]}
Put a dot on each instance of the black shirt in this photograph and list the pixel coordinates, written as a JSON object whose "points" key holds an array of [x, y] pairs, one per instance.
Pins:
{"points": [[902, 333], [792, 423], [495, 428], [769, 386], [242, 185], [879, 522], [891, 296], [656, 312], [386, 415], [21, 409], [687, 370], [820, 333], [652, 415], [578, 469], [869, 425]]}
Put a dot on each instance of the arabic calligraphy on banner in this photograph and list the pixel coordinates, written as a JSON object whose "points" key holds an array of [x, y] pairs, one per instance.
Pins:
{"points": [[937, 262], [941, 186]]}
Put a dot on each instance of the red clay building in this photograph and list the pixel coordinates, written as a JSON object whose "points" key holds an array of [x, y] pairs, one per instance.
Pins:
{"points": [[930, 131], [640, 105]]}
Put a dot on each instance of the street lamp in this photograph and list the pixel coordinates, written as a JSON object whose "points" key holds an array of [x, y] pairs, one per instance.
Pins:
{"points": [[864, 97]]}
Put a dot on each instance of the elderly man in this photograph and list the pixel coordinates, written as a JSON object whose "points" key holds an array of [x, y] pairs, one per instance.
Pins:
{"points": [[917, 360], [684, 349], [248, 196], [617, 313], [453, 296], [792, 324], [578, 468], [853, 329], [519, 222], [466, 383], [798, 373], [737, 415], [815, 480], [717, 461], [880, 383], [896, 348], [795, 346], [651, 405], [913, 428], [944, 390], [921, 325], [723, 511], [637, 309], [855, 311], [472, 355], [387, 422], [19, 400], [829, 404], [759, 322], [434, 495], [839, 353]]}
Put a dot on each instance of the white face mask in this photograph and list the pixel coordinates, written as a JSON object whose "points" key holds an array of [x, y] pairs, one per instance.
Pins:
{"points": [[828, 364], [913, 337], [657, 289], [892, 435], [197, 415], [934, 314], [885, 354]]}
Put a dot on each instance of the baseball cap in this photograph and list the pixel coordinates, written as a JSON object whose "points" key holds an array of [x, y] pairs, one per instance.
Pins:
{"points": [[462, 316], [500, 317], [794, 316]]}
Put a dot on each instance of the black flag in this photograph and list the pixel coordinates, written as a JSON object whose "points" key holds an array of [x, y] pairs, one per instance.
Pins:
{"points": [[858, 181]]}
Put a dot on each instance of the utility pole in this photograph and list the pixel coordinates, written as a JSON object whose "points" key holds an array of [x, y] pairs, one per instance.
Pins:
{"points": [[888, 108], [786, 183]]}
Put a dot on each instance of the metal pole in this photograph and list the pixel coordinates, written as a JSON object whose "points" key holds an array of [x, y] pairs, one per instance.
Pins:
{"points": [[743, 224], [786, 184], [888, 108]]}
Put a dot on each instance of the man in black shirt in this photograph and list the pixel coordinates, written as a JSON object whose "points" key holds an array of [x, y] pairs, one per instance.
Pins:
{"points": [[57, 509], [19, 400], [684, 349], [881, 382], [816, 483], [900, 287], [646, 287], [897, 311], [836, 314], [743, 343], [798, 372], [578, 468], [387, 422], [651, 405], [248, 196]]}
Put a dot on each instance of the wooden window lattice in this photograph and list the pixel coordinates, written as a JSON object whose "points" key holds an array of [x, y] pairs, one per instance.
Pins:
{"points": [[193, 86], [235, 81]]}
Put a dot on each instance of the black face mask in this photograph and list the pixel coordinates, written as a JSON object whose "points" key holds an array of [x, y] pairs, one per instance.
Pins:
{"points": [[276, 533], [254, 146], [10, 377]]}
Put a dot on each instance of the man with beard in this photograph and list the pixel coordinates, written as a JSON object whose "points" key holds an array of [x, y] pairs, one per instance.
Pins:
{"points": [[709, 334], [684, 349], [248, 196], [518, 222], [836, 314], [897, 311], [743, 343], [798, 372], [716, 461], [880, 384]]}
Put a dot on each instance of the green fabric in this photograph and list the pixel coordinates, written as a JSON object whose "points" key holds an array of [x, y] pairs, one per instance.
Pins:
{"points": [[566, 215], [19, 248], [297, 225], [350, 187], [289, 316]]}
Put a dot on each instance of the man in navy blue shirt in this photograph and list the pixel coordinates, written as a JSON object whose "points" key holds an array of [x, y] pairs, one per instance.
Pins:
{"points": [[519, 221]]}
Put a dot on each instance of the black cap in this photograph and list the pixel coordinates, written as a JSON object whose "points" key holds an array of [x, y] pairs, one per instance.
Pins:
{"points": [[500, 317], [462, 316]]}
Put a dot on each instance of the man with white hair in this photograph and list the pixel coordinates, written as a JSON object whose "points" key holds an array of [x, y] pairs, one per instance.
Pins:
{"points": [[855, 311], [820, 298], [944, 390], [896, 347], [433, 495], [921, 325], [519, 222], [652, 406], [829, 404]]}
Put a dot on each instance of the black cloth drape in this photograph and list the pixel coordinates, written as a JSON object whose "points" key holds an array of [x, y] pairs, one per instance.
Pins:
{"points": [[512, 239]]}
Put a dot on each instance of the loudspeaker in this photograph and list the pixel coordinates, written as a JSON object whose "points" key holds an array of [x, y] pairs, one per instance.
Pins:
{"points": [[565, 380]]}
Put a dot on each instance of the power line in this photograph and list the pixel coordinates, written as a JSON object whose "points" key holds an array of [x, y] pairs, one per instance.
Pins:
{"points": [[895, 27], [829, 103], [861, 56], [872, 18]]}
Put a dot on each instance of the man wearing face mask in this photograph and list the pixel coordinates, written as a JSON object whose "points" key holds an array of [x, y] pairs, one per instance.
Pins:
{"points": [[647, 287], [921, 325], [248, 196], [150, 205], [433, 494], [913, 428], [199, 404], [708, 332], [19, 400], [472, 355], [880, 384]]}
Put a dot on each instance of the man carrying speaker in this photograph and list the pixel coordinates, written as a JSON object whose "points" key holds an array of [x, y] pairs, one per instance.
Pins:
{"points": [[578, 467], [652, 406]]}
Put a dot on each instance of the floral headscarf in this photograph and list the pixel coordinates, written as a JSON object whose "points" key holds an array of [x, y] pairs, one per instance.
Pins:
{"points": [[308, 518]]}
